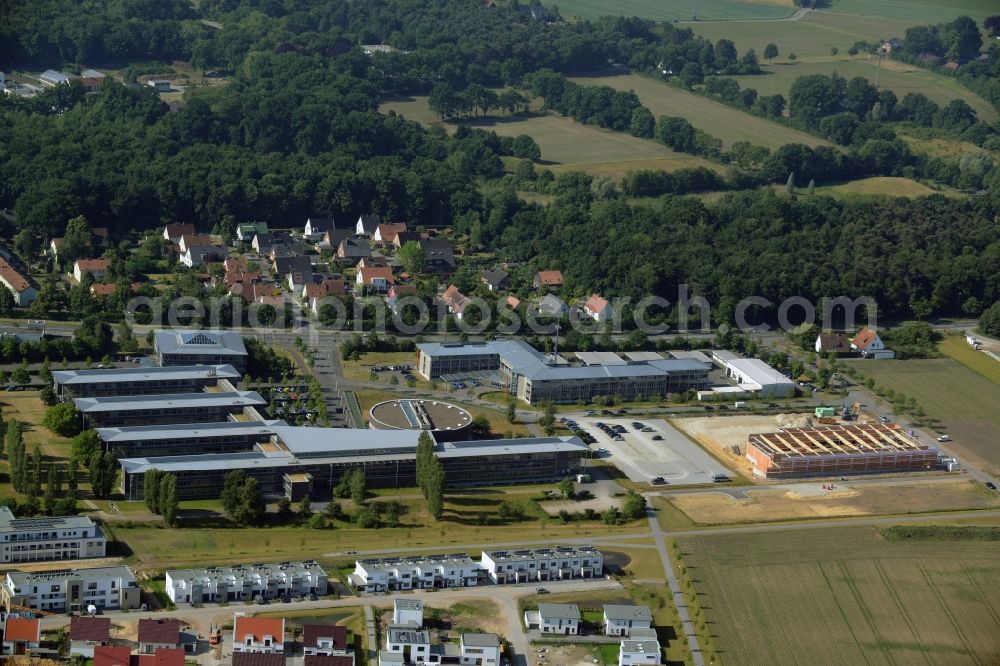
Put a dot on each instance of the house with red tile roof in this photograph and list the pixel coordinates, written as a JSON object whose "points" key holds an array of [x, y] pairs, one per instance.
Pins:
{"points": [[21, 635], [174, 232], [868, 342], [456, 301], [159, 633], [87, 633], [325, 639], [597, 308], [96, 268], [386, 233], [259, 635], [377, 279], [20, 283], [328, 660], [551, 280]]}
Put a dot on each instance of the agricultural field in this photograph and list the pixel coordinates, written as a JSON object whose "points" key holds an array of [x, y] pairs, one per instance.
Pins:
{"points": [[961, 402], [955, 347], [566, 144], [721, 121], [670, 10], [944, 148], [916, 11], [878, 186], [896, 76], [845, 500], [846, 596]]}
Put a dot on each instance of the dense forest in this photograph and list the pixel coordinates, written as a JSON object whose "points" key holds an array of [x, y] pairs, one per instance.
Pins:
{"points": [[296, 132]]}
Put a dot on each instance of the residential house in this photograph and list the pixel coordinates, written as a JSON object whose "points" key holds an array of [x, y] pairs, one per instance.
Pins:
{"points": [[102, 289], [21, 635], [297, 280], [513, 302], [413, 644], [542, 564], [836, 343], [333, 238], [870, 345], [456, 301], [328, 287], [634, 652], [199, 255], [367, 225], [386, 574], [929, 58], [385, 233], [282, 266], [374, 261], [112, 655], [480, 649], [317, 227], [20, 283], [562, 619], [194, 240], [438, 256], [159, 633], [122, 656], [597, 308], [326, 660], [404, 237], [87, 633], [399, 291], [246, 582], [375, 279], [551, 280], [96, 268], [551, 305], [620, 620], [174, 232], [52, 78], [351, 250], [246, 231], [252, 659], [91, 80], [495, 279], [889, 45], [408, 612], [258, 635], [326, 639], [98, 236]]}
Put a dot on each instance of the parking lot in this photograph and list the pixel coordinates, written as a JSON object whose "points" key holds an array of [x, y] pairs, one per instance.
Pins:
{"points": [[641, 458]]}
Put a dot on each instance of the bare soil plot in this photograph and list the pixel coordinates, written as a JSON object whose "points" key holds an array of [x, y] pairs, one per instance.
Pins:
{"points": [[724, 435], [721, 121], [847, 500], [846, 596]]}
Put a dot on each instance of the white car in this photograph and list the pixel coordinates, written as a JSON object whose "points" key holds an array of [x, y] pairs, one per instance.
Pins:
{"points": [[944, 438]]}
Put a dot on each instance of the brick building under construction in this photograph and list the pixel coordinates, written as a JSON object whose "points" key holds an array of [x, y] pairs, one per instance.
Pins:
{"points": [[839, 449]]}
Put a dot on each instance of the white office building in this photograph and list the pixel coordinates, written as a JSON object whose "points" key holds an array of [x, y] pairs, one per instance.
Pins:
{"points": [[45, 539], [73, 589], [378, 575], [538, 564], [245, 583]]}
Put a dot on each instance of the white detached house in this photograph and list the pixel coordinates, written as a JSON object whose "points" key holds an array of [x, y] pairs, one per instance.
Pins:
{"points": [[868, 342], [597, 308]]}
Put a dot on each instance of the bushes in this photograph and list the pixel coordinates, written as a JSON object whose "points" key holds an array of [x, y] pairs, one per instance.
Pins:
{"points": [[62, 419]]}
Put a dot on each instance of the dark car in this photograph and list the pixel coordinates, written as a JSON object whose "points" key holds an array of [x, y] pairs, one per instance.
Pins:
{"points": [[658, 481], [991, 485], [657, 438]]}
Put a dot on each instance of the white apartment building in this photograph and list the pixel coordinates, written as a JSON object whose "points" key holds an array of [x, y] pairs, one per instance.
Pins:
{"points": [[538, 564], [73, 589], [245, 583], [45, 539], [377, 575]]}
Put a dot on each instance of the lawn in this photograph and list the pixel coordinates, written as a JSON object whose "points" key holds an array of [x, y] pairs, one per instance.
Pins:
{"points": [[898, 77], [27, 407], [955, 347], [846, 596], [497, 418], [566, 144], [669, 10], [360, 370], [721, 121], [961, 401]]}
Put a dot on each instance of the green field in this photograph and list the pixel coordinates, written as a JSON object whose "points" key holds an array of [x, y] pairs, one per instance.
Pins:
{"points": [[721, 121], [962, 401], [917, 11], [846, 596], [957, 348], [878, 186], [898, 77], [669, 10], [566, 144]]}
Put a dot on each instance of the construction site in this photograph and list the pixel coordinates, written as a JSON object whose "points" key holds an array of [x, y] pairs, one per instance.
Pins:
{"points": [[838, 449]]}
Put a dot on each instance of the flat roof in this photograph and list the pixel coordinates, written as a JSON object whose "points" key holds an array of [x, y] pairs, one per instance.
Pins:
{"points": [[602, 358], [481, 640], [692, 356], [362, 441], [209, 462], [649, 646], [519, 445], [838, 440], [759, 372], [199, 342], [130, 403], [408, 604], [115, 375], [193, 430], [643, 355], [526, 554], [248, 571], [24, 577], [9, 523]]}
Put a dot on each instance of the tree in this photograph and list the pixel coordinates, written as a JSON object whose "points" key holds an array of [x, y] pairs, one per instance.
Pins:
{"points": [[413, 257], [790, 183], [317, 522], [151, 489], [85, 444], [442, 101], [7, 302], [62, 419], [435, 490], [168, 499], [77, 243], [691, 75], [511, 411], [962, 39], [103, 473], [771, 52], [358, 485], [305, 507], [634, 505], [21, 376], [525, 147], [566, 488], [241, 498], [481, 427], [989, 321]]}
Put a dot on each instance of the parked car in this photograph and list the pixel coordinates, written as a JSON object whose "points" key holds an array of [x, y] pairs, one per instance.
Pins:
{"points": [[657, 438], [991, 485], [658, 481], [944, 438]]}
